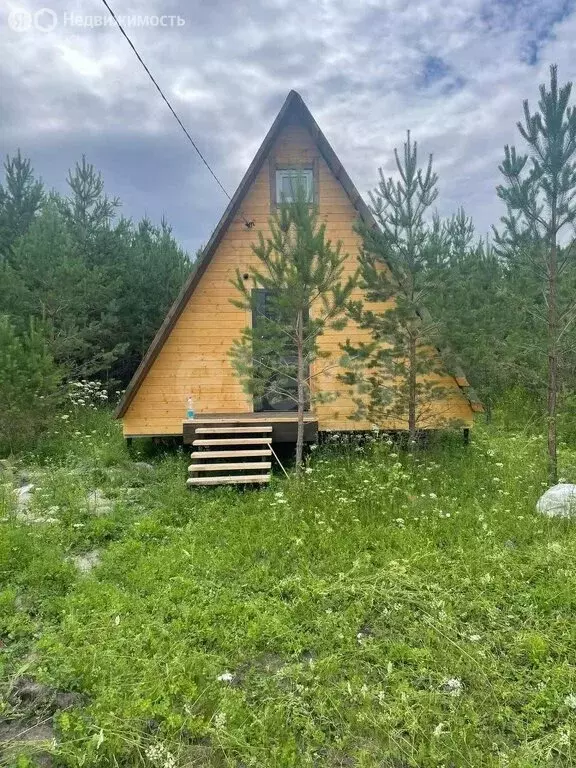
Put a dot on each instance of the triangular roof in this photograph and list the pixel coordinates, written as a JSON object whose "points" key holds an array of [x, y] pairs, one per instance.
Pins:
{"points": [[293, 106]]}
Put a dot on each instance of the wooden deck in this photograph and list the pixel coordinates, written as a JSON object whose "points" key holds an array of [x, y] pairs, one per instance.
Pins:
{"points": [[284, 424]]}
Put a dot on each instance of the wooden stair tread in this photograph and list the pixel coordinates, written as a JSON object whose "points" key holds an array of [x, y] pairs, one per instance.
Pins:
{"points": [[231, 430], [230, 454], [228, 480], [234, 441], [247, 465]]}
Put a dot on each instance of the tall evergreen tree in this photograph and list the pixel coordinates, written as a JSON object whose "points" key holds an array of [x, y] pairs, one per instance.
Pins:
{"points": [[87, 208], [100, 284], [300, 276], [21, 197], [396, 375], [153, 270], [540, 194], [474, 306], [29, 384]]}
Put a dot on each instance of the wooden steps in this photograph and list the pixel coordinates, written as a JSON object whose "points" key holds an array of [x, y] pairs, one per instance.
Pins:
{"points": [[227, 466], [234, 441], [211, 466], [228, 480], [232, 454], [232, 430]]}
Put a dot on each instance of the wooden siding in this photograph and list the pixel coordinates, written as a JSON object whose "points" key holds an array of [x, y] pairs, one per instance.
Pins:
{"points": [[194, 357]]}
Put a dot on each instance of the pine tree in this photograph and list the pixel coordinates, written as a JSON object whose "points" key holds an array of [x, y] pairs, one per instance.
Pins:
{"points": [[100, 285], [474, 306], [29, 384], [300, 276], [395, 376], [540, 194], [21, 197], [87, 208], [153, 269]]}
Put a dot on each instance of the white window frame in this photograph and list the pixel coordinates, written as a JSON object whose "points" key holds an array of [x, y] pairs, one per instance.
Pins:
{"points": [[282, 173]]}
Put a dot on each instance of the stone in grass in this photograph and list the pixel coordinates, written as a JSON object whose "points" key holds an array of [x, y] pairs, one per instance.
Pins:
{"points": [[98, 503], [23, 495], [143, 466], [558, 501], [264, 664], [23, 499], [86, 561], [24, 478]]}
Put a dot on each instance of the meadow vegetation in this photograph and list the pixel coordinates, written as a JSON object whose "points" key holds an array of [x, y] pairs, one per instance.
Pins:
{"points": [[380, 609]]}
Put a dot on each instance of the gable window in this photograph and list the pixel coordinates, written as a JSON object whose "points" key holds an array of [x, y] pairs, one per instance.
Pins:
{"points": [[289, 179]]}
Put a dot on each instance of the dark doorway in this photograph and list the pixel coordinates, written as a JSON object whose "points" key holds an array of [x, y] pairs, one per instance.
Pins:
{"points": [[282, 389]]}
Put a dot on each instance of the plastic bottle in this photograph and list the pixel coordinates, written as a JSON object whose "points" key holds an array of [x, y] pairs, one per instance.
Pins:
{"points": [[190, 408]]}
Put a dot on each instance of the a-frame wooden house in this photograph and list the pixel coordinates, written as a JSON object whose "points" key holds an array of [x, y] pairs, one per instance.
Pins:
{"points": [[189, 354]]}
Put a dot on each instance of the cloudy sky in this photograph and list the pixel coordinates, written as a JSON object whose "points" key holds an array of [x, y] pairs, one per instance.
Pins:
{"points": [[453, 71]]}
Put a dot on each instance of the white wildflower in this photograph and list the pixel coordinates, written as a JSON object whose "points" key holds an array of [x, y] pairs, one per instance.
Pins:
{"points": [[570, 700], [225, 677], [475, 638], [158, 754], [439, 730]]}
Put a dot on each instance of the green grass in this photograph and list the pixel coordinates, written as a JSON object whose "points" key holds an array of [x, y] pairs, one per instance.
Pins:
{"points": [[383, 610]]}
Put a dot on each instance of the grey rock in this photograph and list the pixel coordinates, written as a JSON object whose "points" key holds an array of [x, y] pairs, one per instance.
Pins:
{"points": [[87, 561], [24, 479], [558, 501], [23, 495], [143, 466], [98, 503]]}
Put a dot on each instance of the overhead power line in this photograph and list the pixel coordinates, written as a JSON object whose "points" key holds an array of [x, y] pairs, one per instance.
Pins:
{"points": [[170, 107]]}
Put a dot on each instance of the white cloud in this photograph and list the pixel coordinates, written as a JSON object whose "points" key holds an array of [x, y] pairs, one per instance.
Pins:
{"points": [[453, 71]]}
